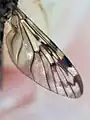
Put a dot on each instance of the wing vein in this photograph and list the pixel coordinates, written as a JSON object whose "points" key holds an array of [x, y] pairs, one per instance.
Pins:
{"points": [[67, 82], [21, 44], [45, 71], [59, 77]]}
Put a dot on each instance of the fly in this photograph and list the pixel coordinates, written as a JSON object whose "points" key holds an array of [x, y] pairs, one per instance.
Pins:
{"points": [[35, 54]]}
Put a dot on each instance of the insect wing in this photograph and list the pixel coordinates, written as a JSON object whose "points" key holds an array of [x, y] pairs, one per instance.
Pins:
{"points": [[40, 59]]}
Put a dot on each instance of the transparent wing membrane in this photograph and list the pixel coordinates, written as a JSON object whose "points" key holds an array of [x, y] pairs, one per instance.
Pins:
{"points": [[33, 52]]}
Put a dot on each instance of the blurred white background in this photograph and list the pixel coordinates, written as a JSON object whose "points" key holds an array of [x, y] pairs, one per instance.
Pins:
{"points": [[69, 26]]}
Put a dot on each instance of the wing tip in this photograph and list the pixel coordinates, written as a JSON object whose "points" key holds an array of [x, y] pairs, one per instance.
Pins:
{"points": [[78, 80], [79, 93]]}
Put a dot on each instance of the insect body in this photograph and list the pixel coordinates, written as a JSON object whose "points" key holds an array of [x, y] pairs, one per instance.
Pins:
{"points": [[35, 54]]}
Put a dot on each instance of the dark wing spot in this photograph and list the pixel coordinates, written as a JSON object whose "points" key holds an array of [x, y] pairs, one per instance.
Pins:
{"points": [[78, 80], [66, 62]]}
